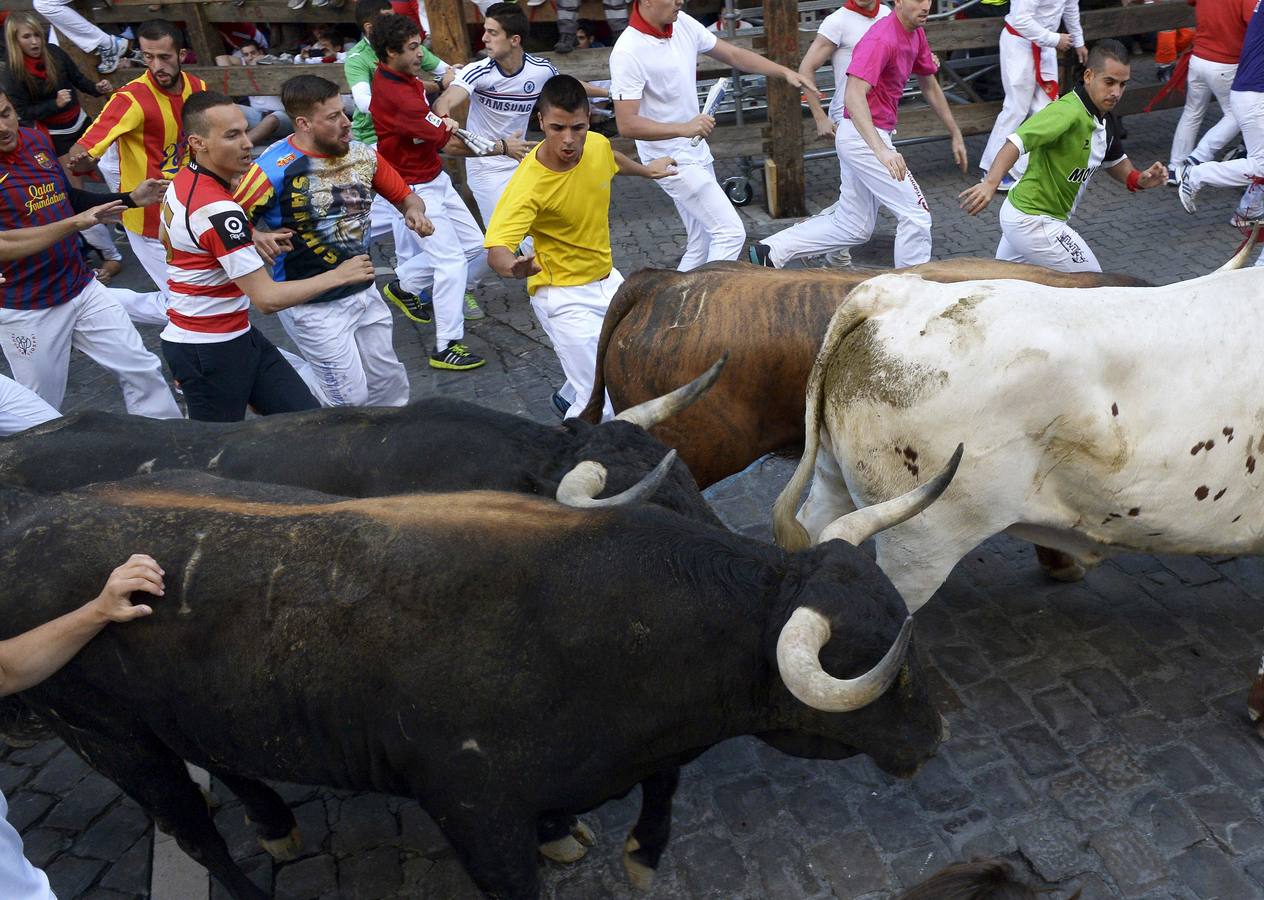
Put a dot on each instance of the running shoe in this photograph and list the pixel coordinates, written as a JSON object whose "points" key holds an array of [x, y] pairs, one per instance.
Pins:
{"points": [[471, 308], [565, 44], [1185, 190], [457, 357], [109, 55], [417, 308], [1172, 178], [1007, 182], [839, 259], [757, 253], [560, 406]]}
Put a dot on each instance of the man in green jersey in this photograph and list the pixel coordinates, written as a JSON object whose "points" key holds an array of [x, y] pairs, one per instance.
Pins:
{"points": [[359, 66], [1067, 142]]}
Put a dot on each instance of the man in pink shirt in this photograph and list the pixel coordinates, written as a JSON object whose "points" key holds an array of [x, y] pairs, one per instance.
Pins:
{"points": [[873, 172]]}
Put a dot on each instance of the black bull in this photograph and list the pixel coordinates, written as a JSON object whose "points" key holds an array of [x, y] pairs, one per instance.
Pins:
{"points": [[418, 646], [431, 445]]}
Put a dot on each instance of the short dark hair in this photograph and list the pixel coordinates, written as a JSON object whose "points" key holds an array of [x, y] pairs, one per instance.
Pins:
{"points": [[251, 43], [1105, 49], [588, 26], [367, 9], [303, 93], [564, 92], [391, 33], [157, 29], [193, 116], [511, 18]]}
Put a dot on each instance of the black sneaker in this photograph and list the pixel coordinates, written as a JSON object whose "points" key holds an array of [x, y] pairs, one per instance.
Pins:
{"points": [[415, 307], [565, 44], [758, 254], [456, 357], [560, 406]]}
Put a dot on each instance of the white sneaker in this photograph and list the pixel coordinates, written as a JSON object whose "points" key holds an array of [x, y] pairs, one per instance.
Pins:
{"points": [[1185, 190], [839, 259], [296, 4], [110, 54]]}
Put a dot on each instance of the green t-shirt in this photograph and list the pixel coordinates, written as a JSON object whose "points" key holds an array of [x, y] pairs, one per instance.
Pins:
{"points": [[1067, 141], [358, 67]]}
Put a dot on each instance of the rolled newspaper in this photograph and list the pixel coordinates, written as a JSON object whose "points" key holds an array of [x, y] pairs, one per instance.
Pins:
{"points": [[714, 96], [480, 145]]}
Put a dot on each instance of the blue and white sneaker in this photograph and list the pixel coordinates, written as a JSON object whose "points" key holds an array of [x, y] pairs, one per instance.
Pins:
{"points": [[1007, 182], [1185, 189], [110, 54]]}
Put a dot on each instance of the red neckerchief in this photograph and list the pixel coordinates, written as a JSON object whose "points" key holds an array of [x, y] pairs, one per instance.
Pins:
{"points": [[867, 13], [637, 21], [35, 67]]}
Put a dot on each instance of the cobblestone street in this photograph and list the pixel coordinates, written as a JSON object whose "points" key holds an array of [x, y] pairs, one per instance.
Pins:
{"points": [[1098, 730]]}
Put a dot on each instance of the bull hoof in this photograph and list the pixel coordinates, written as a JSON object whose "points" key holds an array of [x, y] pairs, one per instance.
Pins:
{"points": [[1253, 713], [571, 848], [1058, 565], [1071, 573], [284, 849], [641, 875]]}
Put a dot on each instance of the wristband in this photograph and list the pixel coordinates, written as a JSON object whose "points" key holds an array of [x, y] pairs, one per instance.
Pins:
{"points": [[1134, 181]]}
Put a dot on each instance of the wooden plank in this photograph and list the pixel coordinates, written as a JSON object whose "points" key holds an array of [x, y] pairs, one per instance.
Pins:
{"points": [[449, 37], [781, 20], [242, 80], [278, 11]]}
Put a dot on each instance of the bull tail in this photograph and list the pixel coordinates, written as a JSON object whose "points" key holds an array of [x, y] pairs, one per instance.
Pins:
{"points": [[624, 300], [788, 532]]}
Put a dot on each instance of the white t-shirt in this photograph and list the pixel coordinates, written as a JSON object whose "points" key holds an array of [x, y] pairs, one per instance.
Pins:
{"points": [[19, 880], [844, 28], [663, 74], [501, 104]]}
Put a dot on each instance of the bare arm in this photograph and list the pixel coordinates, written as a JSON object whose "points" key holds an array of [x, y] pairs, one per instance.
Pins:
{"points": [[593, 91], [934, 95], [821, 50], [975, 198], [29, 658], [22, 242], [750, 61], [1152, 177], [449, 100], [662, 167], [856, 99], [507, 265], [270, 296], [627, 115]]}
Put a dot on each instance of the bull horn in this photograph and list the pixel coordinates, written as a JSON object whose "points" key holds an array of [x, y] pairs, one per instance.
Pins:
{"points": [[580, 486], [1239, 258], [660, 409], [857, 527], [798, 660]]}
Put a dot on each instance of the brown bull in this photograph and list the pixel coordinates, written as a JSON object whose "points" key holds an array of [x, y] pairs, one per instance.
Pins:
{"points": [[663, 328]]}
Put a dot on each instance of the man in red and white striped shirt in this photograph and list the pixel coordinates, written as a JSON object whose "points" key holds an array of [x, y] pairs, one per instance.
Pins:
{"points": [[215, 274]]}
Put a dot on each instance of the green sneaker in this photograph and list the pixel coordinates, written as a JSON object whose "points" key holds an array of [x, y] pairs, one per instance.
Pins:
{"points": [[456, 357], [471, 308], [418, 309]]}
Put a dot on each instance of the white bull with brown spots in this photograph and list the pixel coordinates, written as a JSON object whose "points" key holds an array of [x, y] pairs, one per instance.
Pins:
{"points": [[1095, 421]]}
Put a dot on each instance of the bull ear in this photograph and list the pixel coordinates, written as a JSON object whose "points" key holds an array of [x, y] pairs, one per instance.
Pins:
{"points": [[798, 660], [857, 527]]}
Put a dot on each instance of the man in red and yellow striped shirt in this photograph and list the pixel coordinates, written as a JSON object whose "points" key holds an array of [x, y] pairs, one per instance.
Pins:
{"points": [[144, 117]]}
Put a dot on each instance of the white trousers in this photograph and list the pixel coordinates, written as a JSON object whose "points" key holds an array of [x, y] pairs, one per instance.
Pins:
{"points": [[21, 408], [37, 345], [100, 239], [349, 346], [713, 229], [1023, 97], [1248, 110], [487, 183], [87, 37], [440, 261], [571, 316], [864, 185], [1207, 79], [148, 308], [1043, 241], [385, 218]]}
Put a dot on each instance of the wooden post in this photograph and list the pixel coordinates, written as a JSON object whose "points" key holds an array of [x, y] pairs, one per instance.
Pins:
{"points": [[204, 38], [785, 114], [449, 39]]}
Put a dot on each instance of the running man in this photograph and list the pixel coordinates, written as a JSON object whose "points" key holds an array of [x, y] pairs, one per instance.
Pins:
{"points": [[143, 117], [110, 49], [1246, 101], [873, 172], [410, 137], [49, 300], [1213, 64], [561, 196], [1029, 47], [319, 184], [835, 40], [654, 83], [1067, 141], [215, 273]]}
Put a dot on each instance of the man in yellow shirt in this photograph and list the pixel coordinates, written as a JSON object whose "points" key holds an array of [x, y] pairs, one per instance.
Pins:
{"points": [[560, 195]]}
